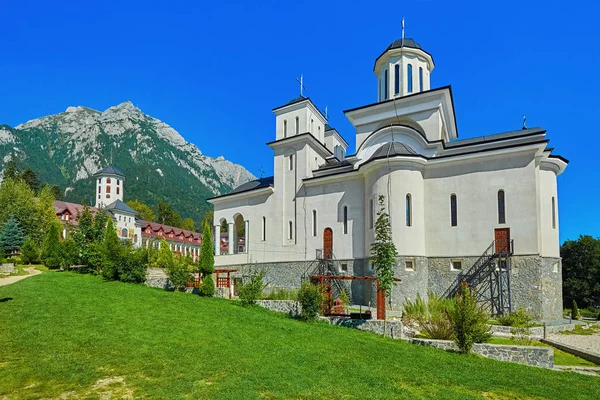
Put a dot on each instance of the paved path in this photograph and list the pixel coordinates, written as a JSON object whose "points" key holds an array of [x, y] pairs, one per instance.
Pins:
{"points": [[12, 279]]}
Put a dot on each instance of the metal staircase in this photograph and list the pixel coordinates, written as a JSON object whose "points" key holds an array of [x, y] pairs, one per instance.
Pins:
{"points": [[327, 265], [489, 278]]}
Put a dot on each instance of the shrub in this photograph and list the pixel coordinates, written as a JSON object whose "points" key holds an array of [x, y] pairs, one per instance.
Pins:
{"points": [[51, 249], [431, 317], [281, 294], [178, 274], [251, 290], [344, 298], [517, 318], [132, 267], [68, 252], [311, 300], [575, 311], [469, 321], [30, 253], [207, 287]]}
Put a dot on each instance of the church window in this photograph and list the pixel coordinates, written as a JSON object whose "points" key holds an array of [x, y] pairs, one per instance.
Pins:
{"points": [[118, 190], [98, 189], [290, 230], [291, 162], [312, 126], [501, 207], [108, 189], [453, 216], [408, 210], [409, 265], [124, 233], [456, 265], [385, 89], [396, 79], [409, 78], [371, 213], [107, 180], [98, 196], [118, 182], [108, 196], [314, 222], [284, 128], [420, 79], [345, 220], [319, 131], [553, 213], [297, 125], [99, 181], [264, 228], [119, 218]]}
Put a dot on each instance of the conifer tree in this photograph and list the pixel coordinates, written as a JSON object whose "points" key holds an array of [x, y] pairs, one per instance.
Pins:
{"points": [[383, 250], [10, 168], [112, 250], [165, 255], [51, 251], [31, 179], [206, 265], [30, 252], [11, 236]]}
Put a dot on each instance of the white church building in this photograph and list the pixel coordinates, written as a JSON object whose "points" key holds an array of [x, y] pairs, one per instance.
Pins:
{"points": [[453, 203]]}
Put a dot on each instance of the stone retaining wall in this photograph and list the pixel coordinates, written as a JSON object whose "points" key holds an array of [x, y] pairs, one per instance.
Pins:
{"points": [[7, 268], [291, 307], [536, 331], [528, 355]]}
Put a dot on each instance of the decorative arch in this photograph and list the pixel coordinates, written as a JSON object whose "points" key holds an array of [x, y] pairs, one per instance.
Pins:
{"points": [[399, 133]]}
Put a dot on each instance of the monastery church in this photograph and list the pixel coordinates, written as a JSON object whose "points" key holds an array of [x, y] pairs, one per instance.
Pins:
{"points": [[455, 205]]}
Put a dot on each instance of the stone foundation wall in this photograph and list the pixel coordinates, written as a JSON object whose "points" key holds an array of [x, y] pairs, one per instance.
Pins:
{"points": [[551, 283], [528, 355], [536, 331], [291, 307], [393, 328]]}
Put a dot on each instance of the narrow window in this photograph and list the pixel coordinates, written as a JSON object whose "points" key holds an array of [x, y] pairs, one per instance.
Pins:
{"points": [[319, 131], [314, 216], [420, 79], [297, 125], [396, 79], [453, 217], [312, 126], [291, 162], [118, 182], [345, 220], [371, 214], [290, 230], [107, 180], [501, 207], [408, 210], [98, 189], [284, 128], [386, 80], [118, 190], [553, 213], [409, 78], [264, 228], [108, 189]]}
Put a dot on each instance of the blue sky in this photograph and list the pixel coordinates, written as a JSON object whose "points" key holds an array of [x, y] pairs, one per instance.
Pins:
{"points": [[215, 71]]}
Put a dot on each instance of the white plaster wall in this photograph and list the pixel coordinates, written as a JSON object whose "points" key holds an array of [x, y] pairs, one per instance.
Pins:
{"points": [[408, 57], [476, 186], [550, 245], [113, 196], [128, 222], [305, 116]]}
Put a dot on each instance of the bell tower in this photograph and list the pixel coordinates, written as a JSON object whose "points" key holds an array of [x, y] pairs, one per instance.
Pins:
{"points": [[109, 186]]}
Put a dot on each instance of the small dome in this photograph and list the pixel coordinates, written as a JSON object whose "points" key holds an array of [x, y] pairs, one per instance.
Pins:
{"points": [[109, 171], [392, 149], [406, 42]]}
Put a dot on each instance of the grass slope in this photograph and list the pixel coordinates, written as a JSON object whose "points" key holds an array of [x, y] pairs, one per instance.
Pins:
{"points": [[69, 335]]}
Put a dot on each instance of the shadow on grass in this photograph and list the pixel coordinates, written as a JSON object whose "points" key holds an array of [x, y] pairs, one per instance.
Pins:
{"points": [[5, 299]]}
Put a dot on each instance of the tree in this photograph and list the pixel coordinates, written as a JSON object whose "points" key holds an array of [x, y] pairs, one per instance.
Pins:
{"points": [[581, 271], [31, 179], [113, 252], [144, 212], [51, 251], [311, 299], [30, 252], [56, 192], [11, 236], [168, 216], [68, 252], [469, 321], [383, 251], [17, 199], [209, 216], [10, 168], [165, 256], [188, 224], [44, 205], [206, 264]]}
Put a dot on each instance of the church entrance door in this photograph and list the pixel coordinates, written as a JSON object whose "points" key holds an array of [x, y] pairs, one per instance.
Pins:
{"points": [[502, 239], [327, 243]]}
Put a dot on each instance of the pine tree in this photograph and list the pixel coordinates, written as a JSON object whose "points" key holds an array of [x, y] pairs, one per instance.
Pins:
{"points": [[31, 179], [10, 168], [51, 251], [112, 250], [30, 252], [165, 256], [11, 237], [206, 265]]}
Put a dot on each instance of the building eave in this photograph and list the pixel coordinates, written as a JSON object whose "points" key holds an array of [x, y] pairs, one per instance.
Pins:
{"points": [[239, 195], [307, 136]]}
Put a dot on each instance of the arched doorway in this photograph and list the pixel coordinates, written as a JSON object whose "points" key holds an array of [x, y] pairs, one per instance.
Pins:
{"points": [[327, 243]]}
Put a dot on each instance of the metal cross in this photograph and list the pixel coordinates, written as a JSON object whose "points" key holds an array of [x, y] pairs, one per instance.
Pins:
{"points": [[261, 172], [300, 81], [524, 121], [326, 113], [402, 28]]}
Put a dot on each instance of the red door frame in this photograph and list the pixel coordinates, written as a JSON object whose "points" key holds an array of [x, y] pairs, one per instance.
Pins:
{"points": [[502, 239]]}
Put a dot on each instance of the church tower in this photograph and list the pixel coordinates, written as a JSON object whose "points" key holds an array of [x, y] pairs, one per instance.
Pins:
{"points": [[109, 186], [402, 69]]}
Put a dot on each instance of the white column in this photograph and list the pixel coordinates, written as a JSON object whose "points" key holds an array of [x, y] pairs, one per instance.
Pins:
{"points": [[231, 237], [246, 243], [217, 240]]}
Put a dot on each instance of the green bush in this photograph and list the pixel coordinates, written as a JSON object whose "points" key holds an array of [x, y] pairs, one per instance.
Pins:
{"points": [[588, 313], [281, 294], [51, 250], [251, 290], [517, 318], [207, 287], [30, 253], [311, 300], [469, 321], [431, 318], [132, 267], [575, 311], [178, 274]]}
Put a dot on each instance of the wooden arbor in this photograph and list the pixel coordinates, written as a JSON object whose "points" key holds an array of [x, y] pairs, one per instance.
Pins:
{"points": [[224, 281], [325, 281]]}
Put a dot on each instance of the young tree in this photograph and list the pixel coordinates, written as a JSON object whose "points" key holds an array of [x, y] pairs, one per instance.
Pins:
{"points": [[10, 168], [206, 265], [31, 179], [17, 199], [188, 224], [383, 251], [69, 253], [209, 216], [11, 236], [44, 205], [112, 251], [144, 212], [51, 256], [165, 257], [30, 252], [469, 321]]}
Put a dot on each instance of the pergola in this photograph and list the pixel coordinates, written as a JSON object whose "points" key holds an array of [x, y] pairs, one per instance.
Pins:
{"points": [[224, 281]]}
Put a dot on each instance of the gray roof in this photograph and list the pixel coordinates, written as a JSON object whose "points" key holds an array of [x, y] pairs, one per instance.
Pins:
{"points": [[493, 138], [118, 205], [406, 42], [393, 149], [256, 184], [109, 171]]}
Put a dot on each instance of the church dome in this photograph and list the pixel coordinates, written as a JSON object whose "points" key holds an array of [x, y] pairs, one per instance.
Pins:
{"points": [[406, 42], [392, 149]]}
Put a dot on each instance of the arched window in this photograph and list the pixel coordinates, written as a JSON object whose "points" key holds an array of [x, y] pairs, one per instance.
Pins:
{"points": [[409, 78], [108, 189], [312, 126], [420, 79], [396, 78], [501, 207], [380, 90], [453, 216], [345, 220], [371, 213], [297, 125], [284, 128], [408, 210], [118, 182], [291, 162], [117, 190], [314, 222], [290, 230], [98, 189], [107, 180], [264, 229], [385, 88], [124, 233], [553, 213]]}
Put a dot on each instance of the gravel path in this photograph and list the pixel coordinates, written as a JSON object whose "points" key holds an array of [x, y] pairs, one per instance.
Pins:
{"points": [[586, 342], [12, 279]]}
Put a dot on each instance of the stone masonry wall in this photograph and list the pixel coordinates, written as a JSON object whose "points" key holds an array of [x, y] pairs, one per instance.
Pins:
{"points": [[551, 277], [291, 307], [393, 328]]}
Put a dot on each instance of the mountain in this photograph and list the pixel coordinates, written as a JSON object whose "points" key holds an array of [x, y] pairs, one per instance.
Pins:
{"points": [[159, 164]]}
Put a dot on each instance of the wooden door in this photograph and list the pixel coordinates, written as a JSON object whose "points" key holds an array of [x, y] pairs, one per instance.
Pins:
{"points": [[327, 243], [502, 239]]}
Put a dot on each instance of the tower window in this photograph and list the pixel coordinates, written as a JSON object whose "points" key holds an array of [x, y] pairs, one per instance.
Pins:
{"points": [[118, 182], [312, 126], [284, 128], [297, 125], [264, 228], [385, 88], [108, 189], [345, 220], [553, 213], [501, 207], [107, 180], [409, 78], [371, 213], [118, 190], [98, 189], [290, 230], [396, 79], [420, 79], [319, 131], [408, 210], [453, 216], [314, 215], [291, 162]]}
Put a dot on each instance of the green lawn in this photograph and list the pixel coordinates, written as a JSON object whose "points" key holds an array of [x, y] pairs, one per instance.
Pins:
{"points": [[560, 357], [76, 336]]}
